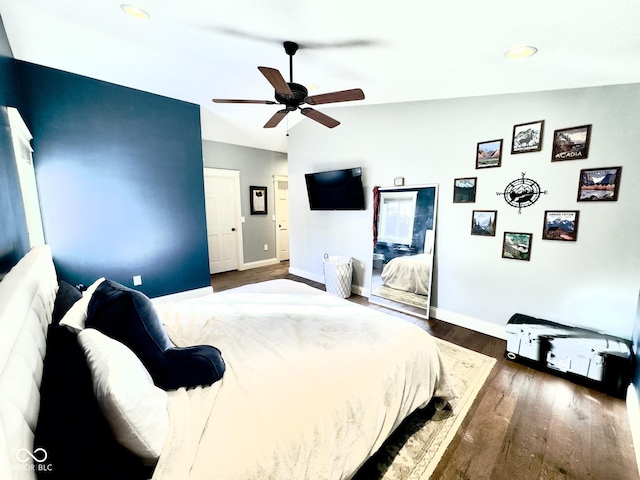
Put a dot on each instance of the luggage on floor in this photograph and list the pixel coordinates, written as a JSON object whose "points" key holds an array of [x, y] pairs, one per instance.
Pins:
{"points": [[603, 360]]}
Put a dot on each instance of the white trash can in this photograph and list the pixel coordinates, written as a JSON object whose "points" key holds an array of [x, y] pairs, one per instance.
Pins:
{"points": [[338, 270]]}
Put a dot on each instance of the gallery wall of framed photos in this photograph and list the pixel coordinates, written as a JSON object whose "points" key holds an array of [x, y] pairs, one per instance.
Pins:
{"points": [[599, 184], [592, 281]]}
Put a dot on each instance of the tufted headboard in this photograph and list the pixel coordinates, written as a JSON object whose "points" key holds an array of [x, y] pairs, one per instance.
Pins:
{"points": [[27, 295]]}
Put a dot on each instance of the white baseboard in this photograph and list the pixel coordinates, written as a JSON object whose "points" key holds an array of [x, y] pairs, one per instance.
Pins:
{"points": [[481, 326], [259, 263], [633, 409], [176, 297], [358, 290], [307, 275]]}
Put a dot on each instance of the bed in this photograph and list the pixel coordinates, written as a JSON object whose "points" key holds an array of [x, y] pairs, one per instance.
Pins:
{"points": [[311, 384], [409, 273]]}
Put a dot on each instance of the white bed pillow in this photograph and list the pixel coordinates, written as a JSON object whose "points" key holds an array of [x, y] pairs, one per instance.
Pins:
{"points": [[134, 407], [76, 317]]}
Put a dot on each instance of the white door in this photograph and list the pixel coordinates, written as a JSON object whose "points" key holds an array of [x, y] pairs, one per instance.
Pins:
{"points": [[281, 184], [222, 203]]}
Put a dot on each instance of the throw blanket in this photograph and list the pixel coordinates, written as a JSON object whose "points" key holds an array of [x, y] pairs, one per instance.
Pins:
{"points": [[410, 273], [314, 384]]}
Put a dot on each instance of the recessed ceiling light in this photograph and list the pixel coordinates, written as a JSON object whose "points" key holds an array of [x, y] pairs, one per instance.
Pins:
{"points": [[134, 11], [521, 52]]}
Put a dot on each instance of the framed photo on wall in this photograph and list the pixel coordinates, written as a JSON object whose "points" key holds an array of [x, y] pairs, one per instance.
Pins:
{"points": [[258, 197], [464, 190], [599, 184], [571, 143], [527, 137], [517, 245], [489, 154], [560, 225], [483, 222]]}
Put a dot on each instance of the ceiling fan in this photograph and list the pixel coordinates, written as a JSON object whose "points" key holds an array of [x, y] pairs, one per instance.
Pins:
{"points": [[293, 95]]}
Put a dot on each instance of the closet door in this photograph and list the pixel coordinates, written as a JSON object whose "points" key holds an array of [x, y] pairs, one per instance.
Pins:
{"points": [[281, 184]]}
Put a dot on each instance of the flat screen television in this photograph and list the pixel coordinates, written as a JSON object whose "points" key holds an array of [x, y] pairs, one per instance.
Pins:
{"points": [[336, 189]]}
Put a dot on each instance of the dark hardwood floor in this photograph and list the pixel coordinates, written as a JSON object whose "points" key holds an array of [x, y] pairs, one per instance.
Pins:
{"points": [[525, 424]]}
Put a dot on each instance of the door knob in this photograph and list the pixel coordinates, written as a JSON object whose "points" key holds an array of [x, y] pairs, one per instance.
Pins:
{"points": [[233, 229]]}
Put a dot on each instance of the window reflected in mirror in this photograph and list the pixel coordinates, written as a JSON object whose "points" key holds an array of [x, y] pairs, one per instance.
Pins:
{"points": [[402, 261]]}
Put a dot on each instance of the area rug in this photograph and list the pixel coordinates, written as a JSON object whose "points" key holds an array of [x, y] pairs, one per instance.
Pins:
{"points": [[413, 451]]}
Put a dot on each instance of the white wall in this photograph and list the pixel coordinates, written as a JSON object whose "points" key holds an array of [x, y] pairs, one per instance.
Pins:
{"points": [[592, 282], [257, 167]]}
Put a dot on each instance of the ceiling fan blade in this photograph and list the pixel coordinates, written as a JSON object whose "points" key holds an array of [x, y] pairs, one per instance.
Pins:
{"points": [[277, 117], [342, 96], [228, 100], [276, 79], [325, 120]]}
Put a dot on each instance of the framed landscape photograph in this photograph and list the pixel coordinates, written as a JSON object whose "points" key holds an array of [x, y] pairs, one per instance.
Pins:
{"points": [[489, 154], [464, 190], [571, 143], [527, 137], [258, 197], [560, 225], [483, 222], [517, 246], [599, 184]]}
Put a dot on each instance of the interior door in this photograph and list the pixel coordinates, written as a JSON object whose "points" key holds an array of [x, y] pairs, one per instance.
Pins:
{"points": [[281, 184], [222, 203]]}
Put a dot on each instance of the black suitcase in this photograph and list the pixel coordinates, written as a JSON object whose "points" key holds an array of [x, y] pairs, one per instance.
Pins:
{"points": [[602, 361]]}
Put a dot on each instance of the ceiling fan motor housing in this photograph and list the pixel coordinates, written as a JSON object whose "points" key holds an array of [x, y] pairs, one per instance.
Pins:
{"points": [[290, 48], [300, 92]]}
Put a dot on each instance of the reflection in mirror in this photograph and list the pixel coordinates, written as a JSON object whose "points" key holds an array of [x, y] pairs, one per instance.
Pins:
{"points": [[404, 237]]}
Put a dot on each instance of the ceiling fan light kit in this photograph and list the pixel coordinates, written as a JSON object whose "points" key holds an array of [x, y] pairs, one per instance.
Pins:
{"points": [[522, 52], [292, 95], [135, 12]]}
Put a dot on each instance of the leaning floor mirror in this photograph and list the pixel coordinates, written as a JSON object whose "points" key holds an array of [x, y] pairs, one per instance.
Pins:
{"points": [[404, 236]]}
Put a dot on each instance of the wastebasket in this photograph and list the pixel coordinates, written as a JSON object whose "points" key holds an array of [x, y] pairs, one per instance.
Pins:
{"points": [[338, 270]]}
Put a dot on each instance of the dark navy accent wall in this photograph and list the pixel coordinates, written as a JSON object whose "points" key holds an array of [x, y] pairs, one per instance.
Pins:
{"points": [[120, 179], [14, 241]]}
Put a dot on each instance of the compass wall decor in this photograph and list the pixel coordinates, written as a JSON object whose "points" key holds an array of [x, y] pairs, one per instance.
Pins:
{"points": [[522, 193]]}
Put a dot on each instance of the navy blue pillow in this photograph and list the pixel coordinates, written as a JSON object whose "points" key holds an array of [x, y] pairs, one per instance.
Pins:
{"points": [[128, 316], [65, 298]]}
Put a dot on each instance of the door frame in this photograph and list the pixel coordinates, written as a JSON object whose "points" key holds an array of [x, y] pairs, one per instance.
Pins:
{"points": [[276, 178], [23, 155], [234, 174]]}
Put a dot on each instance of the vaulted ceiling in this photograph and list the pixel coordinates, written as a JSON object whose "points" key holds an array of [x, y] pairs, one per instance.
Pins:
{"points": [[396, 51]]}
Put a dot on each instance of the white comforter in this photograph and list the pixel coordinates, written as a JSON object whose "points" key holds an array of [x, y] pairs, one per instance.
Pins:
{"points": [[314, 384], [409, 273]]}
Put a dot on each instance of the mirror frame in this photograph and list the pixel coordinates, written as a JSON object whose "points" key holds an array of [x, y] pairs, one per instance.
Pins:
{"points": [[412, 305]]}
